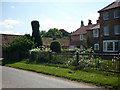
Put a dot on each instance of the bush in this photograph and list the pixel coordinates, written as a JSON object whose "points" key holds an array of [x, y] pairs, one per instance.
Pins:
{"points": [[55, 46], [39, 57], [18, 49], [57, 59]]}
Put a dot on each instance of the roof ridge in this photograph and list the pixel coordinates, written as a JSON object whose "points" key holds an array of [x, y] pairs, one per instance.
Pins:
{"points": [[106, 6]]}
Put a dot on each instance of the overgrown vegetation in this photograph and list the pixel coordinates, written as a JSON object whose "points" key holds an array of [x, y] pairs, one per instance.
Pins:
{"points": [[17, 49]]}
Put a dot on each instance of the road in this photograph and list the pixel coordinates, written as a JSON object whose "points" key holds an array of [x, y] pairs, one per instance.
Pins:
{"points": [[16, 78]]}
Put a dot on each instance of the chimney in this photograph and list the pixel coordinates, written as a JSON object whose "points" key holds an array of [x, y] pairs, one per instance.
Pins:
{"points": [[82, 23], [89, 22], [98, 21]]}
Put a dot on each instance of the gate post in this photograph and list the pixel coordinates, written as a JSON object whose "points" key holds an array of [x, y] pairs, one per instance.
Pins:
{"points": [[77, 57]]}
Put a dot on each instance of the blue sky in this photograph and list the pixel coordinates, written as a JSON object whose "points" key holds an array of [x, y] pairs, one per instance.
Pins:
{"points": [[17, 16]]}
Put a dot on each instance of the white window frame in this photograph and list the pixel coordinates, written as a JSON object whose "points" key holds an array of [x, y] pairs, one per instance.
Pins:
{"points": [[117, 29], [116, 12], [95, 46], [81, 37], [105, 48], [105, 16], [95, 34], [106, 30]]}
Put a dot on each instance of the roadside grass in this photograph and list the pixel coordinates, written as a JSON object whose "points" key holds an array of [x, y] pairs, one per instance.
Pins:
{"points": [[99, 78]]}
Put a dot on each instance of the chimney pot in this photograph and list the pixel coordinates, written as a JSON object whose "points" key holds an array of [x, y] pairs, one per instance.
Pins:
{"points": [[89, 22]]}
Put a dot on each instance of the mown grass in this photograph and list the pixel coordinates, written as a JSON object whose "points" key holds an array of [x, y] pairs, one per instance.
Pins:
{"points": [[105, 79]]}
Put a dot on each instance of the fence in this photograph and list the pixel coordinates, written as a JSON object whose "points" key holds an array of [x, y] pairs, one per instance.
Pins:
{"points": [[106, 62]]}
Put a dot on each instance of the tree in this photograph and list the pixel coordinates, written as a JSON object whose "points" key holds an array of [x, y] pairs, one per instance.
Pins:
{"points": [[65, 34], [36, 34], [42, 33], [55, 46], [53, 33]]}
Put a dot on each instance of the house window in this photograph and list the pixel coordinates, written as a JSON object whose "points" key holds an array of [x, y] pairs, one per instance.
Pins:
{"points": [[117, 29], [111, 45], [105, 16], [96, 46], [82, 47], [106, 31], [81, 37], [72, 47], [117, 14], [95, 33]]}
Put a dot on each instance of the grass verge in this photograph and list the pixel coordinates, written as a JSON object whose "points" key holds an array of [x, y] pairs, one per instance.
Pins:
{"points": [[98, 78]]}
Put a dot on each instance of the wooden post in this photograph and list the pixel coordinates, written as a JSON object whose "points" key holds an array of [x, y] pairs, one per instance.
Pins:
{"points": [[77, 57]]}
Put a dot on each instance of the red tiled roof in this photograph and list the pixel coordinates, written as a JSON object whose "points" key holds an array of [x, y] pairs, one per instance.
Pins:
{"points": [[82, 29], [97, 26], [111, 6]]}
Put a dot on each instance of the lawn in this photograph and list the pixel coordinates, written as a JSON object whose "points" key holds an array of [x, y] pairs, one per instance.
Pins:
{"points": [[106, 79]]}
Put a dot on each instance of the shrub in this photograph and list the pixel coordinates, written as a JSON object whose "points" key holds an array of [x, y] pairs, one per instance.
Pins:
{"points": [[57, 59], [39, 57], [18, 49], [55, 46]]}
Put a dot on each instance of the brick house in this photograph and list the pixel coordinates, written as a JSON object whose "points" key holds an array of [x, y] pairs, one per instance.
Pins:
{"points": [[93, 37], [79, 37], [103, 36], [110, 28]]}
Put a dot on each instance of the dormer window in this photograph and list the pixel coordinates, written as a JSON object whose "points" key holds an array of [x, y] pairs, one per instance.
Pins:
{"points": [[117, 14], [105, 16]]}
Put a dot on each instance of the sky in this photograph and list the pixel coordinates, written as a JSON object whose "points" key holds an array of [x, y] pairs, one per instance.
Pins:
{"points": [[16, 16]]}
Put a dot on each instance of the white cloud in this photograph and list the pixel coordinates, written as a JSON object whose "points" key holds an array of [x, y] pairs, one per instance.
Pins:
{"points": [[9, 32], [9, 23], [68, 26], [12, 6]]}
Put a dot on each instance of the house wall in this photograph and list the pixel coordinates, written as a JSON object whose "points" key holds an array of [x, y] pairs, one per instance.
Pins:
{"points": [[75, 41], [7, 38], [111, 22], [92, 40]]}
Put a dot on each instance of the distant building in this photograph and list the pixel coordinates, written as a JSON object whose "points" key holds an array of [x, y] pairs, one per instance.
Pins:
{"points": [[79, 37], [5, 39], [110, 28], [64, 42]]}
